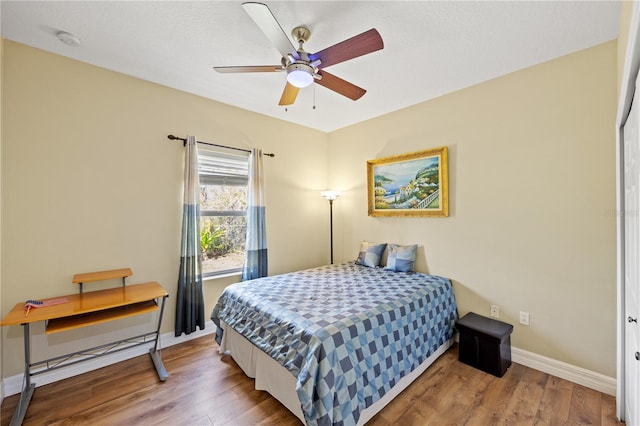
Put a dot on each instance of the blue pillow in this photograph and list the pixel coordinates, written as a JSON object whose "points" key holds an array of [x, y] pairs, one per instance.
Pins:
{"points": [[370, 254], [401, 258]]}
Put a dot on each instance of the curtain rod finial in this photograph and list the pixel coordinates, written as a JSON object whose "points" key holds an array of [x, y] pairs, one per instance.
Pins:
{"points": [[175, 138]]}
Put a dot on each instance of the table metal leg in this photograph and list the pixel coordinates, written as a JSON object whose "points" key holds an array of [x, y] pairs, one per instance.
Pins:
{"points": [[27, 391], [155, 355]]}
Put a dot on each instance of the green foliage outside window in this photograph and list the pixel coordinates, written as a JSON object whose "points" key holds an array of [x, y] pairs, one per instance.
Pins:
{"points": [[212, 241], [222, 227]]}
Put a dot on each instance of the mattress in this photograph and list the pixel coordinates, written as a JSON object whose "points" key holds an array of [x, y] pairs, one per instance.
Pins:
{"points": [[346, 333]]}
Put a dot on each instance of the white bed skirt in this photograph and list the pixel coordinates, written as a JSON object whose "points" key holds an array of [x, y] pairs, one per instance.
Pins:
{"points": [[281, 384]]}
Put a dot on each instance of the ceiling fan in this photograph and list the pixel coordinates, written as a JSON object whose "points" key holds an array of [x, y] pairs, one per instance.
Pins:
{"points": [[304, 68]]}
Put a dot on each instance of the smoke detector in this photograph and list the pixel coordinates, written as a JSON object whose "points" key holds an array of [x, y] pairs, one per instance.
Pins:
{"points": [[68, 39]]}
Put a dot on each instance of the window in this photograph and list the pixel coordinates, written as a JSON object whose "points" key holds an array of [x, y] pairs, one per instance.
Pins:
{"points": [[223, 210]]}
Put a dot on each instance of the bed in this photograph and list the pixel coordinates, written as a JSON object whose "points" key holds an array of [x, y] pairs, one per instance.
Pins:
{"points": [[334, 344]]}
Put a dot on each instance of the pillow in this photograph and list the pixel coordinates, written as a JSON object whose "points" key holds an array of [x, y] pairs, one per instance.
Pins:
{"points": [[370, 254], [401, 258]]}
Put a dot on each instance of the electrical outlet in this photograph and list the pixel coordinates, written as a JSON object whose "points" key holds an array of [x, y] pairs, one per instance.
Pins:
{"points": [[495, 311], [524, 318]]}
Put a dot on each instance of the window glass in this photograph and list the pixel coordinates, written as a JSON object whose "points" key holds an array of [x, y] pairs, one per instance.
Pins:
{"points": [[223, 210]]}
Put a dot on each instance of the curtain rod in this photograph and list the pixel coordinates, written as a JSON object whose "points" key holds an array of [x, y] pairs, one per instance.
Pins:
{"points": [[184, 142]]}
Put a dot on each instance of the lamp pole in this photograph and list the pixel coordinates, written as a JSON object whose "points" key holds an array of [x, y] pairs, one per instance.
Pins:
{"points": [[330, 195], [331, 227]]}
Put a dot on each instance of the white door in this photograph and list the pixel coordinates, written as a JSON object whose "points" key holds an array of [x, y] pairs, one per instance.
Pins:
{"points": [[632, 262]]}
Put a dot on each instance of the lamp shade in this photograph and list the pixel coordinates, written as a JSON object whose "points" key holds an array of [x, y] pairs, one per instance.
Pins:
{"points": [[330, 195]]}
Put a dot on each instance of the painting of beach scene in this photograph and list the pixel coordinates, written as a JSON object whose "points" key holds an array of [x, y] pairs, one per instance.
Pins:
{"points": [[414, 184]]}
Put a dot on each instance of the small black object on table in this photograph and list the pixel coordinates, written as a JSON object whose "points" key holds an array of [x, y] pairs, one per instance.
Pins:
{"points": [[485, 343]]}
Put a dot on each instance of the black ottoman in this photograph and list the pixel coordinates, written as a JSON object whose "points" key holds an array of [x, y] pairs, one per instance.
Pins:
{"points": [[485, 343]]}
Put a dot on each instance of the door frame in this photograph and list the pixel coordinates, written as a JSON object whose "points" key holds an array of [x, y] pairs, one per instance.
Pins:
{"points": [[627, 88]]}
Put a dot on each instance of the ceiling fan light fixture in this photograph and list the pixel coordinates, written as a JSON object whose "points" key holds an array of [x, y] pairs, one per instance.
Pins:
{"points": [[300, 75]]}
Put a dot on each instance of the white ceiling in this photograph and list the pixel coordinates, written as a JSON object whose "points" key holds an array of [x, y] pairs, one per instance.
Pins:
{"points": [[430, 47]]}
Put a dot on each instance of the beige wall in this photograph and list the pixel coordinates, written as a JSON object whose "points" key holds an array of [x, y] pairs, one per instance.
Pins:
{"points": [[90, 182], [532, 200]]}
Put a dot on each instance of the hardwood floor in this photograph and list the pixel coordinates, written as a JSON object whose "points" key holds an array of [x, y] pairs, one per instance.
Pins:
{"points": [[205, 388]]}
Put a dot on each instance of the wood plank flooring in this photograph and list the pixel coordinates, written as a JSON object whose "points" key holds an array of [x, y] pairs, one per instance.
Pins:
{"points": [[205, 388]]}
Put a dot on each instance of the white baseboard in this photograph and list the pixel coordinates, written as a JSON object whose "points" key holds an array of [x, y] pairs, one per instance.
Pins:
{"points": [[581, 376], [13, 385], [600, 382]]}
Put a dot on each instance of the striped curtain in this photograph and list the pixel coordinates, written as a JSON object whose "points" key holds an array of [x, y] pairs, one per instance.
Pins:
{"points": [[190, 302], [255, 264]]}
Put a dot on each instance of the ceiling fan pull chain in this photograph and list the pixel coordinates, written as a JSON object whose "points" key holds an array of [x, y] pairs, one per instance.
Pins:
{"points": [[314, 96]]}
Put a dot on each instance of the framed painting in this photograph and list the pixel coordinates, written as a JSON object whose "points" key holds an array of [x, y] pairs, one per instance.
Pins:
{"points": [[414, 184]]}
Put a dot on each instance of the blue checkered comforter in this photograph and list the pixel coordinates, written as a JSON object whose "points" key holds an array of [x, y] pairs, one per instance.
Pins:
{"points": [[348, 333]]}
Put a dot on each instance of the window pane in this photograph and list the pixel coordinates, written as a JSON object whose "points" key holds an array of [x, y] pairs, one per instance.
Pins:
{"points": [[223, 197], [222, 236]]}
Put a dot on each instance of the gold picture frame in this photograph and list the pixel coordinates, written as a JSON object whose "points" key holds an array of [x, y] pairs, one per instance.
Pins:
{"points": [[413, 184]]}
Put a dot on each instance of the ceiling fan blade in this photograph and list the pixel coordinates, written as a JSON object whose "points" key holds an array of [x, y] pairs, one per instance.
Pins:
{"points": [[367, 42], [339, 85], [263, 17], [253, 68], [289, 95]]}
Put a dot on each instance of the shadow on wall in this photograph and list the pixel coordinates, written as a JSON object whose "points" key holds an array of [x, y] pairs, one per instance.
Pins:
{"points": [[468, 300], [421, 260]]}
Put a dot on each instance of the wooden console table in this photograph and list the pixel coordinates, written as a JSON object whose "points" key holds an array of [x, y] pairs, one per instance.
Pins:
{"points": [[84, 309]]}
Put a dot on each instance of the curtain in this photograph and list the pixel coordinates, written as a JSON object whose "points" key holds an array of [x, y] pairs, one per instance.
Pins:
{"points": [[190, 302], [255, 264]]}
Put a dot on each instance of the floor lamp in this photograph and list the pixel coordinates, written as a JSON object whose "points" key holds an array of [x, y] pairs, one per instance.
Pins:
{"points": [[330, 195]]}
